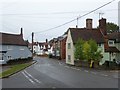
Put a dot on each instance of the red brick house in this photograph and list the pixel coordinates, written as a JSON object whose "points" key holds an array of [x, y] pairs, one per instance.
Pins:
{"points": [[63, 48]]}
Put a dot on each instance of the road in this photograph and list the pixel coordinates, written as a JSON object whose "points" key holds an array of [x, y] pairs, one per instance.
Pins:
{"points": [[50, 73]]}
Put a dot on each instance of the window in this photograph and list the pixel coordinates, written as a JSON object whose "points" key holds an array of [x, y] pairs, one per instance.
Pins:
{"points": [[69, 58], [1, 56], [99, 45], [111, 43], [9, 57], [69, 45]]}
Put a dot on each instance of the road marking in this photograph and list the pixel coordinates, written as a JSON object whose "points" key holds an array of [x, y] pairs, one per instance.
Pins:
{"points": [[104, 75], [114, 71], [93, 72], [28, 78], [85, 70], [32, 77], [59, 63], [67, 66], [73, 68], [78, 69]]}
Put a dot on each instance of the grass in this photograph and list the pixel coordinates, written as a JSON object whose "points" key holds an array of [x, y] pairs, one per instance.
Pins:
{"points": [[14, 69]]}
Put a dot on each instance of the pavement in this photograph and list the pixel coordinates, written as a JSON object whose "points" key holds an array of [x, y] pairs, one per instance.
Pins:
{"points": [[51, 73]]}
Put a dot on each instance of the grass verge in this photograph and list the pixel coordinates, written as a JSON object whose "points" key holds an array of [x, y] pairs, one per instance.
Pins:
{"points": [[14, 69]]}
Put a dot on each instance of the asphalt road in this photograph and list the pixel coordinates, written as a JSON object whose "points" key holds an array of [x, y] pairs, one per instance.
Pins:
{"points": [[49, 73]]}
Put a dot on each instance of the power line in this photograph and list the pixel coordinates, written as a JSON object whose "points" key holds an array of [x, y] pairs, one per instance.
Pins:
{"points": [[52, 13], [76, 18]]}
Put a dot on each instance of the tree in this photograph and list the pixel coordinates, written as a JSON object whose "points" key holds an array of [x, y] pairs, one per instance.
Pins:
{"points": [[95, 55], [79, 49], [87, 50], [111, 27]]}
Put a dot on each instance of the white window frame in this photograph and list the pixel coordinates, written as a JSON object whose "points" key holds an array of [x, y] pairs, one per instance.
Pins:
{"points": [[111, 41], [69, 58], [69, 45]]}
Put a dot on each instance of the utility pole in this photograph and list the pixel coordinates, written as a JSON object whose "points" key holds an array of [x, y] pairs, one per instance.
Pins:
{"points": [[32, 42], [77, 21]]}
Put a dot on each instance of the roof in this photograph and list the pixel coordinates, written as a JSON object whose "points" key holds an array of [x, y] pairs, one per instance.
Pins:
{"points": [[12, 39], [86, 34], [114, 36], [111, 49]]}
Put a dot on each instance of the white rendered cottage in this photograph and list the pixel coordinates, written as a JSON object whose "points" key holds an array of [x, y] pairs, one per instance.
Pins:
{"points": [[12, 46]]}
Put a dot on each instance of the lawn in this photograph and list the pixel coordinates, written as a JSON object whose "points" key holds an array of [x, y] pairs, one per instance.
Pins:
{"points": [[14, 69]]}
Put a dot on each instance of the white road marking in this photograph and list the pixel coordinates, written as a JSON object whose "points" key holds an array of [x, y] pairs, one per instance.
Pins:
{"points": [[73, 68], [104, 75], [32, 77], [85, 70], [78, 69], [59, 63], [67, 66], [93, 72], [28, 78]]}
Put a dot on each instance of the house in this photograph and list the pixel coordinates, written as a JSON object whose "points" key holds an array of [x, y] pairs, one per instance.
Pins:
{"points": [[41, 48], [63, 47], [59, 47], [55, 47], [45, 48], [114, 42], [12, 46], [97, 34]]}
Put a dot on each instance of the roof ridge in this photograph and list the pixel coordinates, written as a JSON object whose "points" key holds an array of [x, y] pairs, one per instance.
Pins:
{"points": [[10, 34]]}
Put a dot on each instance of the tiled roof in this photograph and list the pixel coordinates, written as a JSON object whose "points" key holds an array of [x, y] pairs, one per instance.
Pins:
{"points": [[86, 34], [114, 36], [12, 39], [111, 49]]}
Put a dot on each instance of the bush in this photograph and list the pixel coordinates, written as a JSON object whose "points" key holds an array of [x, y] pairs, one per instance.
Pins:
{"points": [[19, 60]]}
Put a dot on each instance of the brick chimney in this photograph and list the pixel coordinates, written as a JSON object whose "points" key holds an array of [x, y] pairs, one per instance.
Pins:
{"points": [[88, 23], [21, 33], [102, 26]]}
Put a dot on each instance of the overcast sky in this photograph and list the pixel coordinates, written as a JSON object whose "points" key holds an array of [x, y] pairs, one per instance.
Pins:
{"points": [[40, 15]]}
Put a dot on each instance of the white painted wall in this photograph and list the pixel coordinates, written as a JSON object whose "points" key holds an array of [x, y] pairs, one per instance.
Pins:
{"points": [[69, 51], [15, 52]]}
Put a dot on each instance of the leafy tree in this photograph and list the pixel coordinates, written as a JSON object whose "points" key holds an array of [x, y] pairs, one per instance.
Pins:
{"points": [[95, 55], [87, 50], [79, 49], [111, 27]]}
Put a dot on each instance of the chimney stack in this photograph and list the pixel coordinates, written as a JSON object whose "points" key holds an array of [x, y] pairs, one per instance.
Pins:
{"points": [[102, 26], [88, 23], [46, 40], [21, 33]]}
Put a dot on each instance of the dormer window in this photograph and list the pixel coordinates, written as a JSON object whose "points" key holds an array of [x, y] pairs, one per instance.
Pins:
{"points": [[111, 43]]}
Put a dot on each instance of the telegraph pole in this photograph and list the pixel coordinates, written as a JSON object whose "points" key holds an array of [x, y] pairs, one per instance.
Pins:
{"points": [[32, 42]]}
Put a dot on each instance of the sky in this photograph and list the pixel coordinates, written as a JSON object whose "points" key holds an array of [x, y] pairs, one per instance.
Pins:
{"points": [[39, 16]]}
